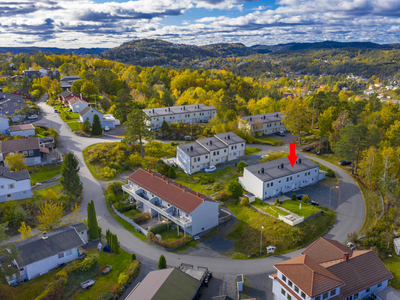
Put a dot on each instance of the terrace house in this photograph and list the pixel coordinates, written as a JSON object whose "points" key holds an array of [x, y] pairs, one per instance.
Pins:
{"points": [[264, 124]]}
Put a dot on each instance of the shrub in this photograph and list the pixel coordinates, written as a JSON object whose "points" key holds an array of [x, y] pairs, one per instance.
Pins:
{"points": [[115, 187], [116, 288], [240, 166], [218, 186], [133, 269], [123, 279], [89, 262], [158, 228], [306, 199], [206, 179], [235, 189], [141, 218], [171, 173], [106, 296], [277, 202], [244, 201], [223, 196], [167, 245], [162, 262], [107, 172], [294, 196], [133, 256], [115, 166], [127, 208], [330, 173]]}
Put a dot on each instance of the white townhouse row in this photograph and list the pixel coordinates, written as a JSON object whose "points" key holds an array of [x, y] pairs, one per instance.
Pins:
{"points": [[271, 178], [220, 148], [195, 113], [264, 124]]}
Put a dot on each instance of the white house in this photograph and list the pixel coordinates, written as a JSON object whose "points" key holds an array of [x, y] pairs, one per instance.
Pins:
{"points": [[274, 177], [44, 252], [264, 124], [77, 104], [22, 130], [164, 198], [194, 157], [4, 124], [88, 113], [328, 270], [195, 113], [14, 185]]}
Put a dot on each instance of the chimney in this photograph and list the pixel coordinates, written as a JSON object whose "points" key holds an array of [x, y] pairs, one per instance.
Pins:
{"points": [[163, 177], [346, 256], [210, 142], [191, 148], [44, 235], [26, 137], [180, 186], [262, 170], [153, 111], [299, 160], [169, 109], [229, 137], [149, 170], [198, 194]]}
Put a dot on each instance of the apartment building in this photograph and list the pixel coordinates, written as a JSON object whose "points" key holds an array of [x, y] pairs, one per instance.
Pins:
{"points": [[264, 124], [195, 113], [220, 148]]}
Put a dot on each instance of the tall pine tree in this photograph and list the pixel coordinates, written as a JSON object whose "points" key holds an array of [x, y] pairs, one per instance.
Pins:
{"points": [[92, 221], [69, 176], [162, 262], [96, 126]]}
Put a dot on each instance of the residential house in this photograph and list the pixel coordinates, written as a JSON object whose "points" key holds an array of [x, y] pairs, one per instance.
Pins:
{"points": [[22, 92], [263, 124], [89, 112], [195, 113], [272, 178], [22, 130], [31, 74], [14, 185], [166, 284], [164, 198], [369, 92], [10, 105], [328, 270], [67, 81], [4, 124], [194, 157], [29, 147], [77, 104], [67, 95], [42, 253]]}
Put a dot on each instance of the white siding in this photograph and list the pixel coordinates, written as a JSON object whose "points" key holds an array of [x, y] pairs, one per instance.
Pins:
{"points": [[16, 189], [29, 132], [4, 125], [204, 217], [252, 184], [183, 160]]}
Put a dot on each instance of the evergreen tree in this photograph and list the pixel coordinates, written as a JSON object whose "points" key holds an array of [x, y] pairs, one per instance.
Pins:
{"points": [[115, 244], [164, 126], [235, 189], [92, 221], [133, 256], [138, 128], [162, 262], [171, 173], [69, 176], [85, 126], [96, 126]]}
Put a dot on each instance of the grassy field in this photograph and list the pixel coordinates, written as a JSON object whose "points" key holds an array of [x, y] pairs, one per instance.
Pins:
{"points": [[76, 278], [222, 176], [56, 188], [170, 235], [393, 264], [251, 150], [272, 141], [45, 173], [132, 213], [70, 116], [294, 206], [73, 125], [272, 210]]}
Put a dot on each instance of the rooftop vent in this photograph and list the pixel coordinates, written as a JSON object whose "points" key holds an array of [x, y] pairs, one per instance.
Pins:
{"points": [[169, 109], [44, 235], [163, 177], [262, 170], [299, 160], [277, 115], [191, 148], [251, 119], [153, 111], [210, 142], [184, 108], [281, 165], [229, 137], [346, 256]]}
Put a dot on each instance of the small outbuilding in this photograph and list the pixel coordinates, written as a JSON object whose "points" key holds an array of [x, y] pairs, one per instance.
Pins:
{"points": [[22, 130]]}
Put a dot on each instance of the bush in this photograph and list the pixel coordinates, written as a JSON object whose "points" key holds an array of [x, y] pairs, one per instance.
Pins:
{"points": [[89, 262], [240, 166], [306, 199], [223, 196], [294, 197], [133, 256], [171, 173], [127, 208], [107, 172], [277, 202], [167, 245], [158, 228], [206, 179], [218, 186], [330, 173], [123, 279], [115, 187], [134, 268], [116, 288], [106, 296], [162, 263], [245, 201], [141, 218], [235, 189], [115, 166]]}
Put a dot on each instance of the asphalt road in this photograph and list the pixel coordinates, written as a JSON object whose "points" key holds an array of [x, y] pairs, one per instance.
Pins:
{"points": [[350, 211]]}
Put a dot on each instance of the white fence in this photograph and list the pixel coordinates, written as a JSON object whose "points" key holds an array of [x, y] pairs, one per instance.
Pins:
{"points": [[137, 227], [291, 222]]}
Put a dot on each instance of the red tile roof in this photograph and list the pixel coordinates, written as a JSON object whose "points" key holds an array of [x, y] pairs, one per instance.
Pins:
{"points": [[180, 196], [308, 275], [323, 250]]}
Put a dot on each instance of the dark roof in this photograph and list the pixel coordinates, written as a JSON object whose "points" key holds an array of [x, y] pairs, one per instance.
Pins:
{"points": [[11, 103], [271, 170], [323, 250], [21, 127], [19, 175], [70, 78], [19, 145], [80, 226], [173, 110], [6, 96], [66, 84], [166, 284], [85, 110], [180, 196], [212, 144], [193, 149], [58, 240], [229, 138], [65, 93], [264, 118]]}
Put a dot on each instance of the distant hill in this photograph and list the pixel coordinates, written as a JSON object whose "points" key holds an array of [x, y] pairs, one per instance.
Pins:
{"points": [[80, 51]]}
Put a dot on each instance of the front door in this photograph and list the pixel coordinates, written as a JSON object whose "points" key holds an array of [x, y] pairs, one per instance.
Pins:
{"points": [[201, 167]]}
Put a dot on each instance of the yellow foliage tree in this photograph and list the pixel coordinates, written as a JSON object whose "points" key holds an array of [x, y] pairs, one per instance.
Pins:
{"points": [[51, 195], [50, 216], [25, 231], [74, 217], [16, 162], [297, 116]]}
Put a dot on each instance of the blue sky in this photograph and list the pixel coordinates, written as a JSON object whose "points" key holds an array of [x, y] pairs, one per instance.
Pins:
{"points": [[108, 23]]}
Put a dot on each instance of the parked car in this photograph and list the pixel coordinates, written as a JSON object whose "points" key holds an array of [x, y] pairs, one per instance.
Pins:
{"points": [[300, 196], [56, 111], [210, 169], [280, 133], [207, 278], [106, 128], [32, 117], [308, 149], [318, 153], [314, 203], [266, 155], [351, 246], [345, 163]]}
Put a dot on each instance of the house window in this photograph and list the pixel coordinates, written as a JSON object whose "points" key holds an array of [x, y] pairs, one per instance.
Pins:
{"points": [[283, 292], [291, 178], [9, 196], [68, 252], [298, 176], [279, 181], [24, 192], [284, 278], [2, 186], [290, 283], [272, 184], [303, 295], [305, 174], [11, 186], [289, 297], [368, 290], [30, 152], [225, 151], [325, 296], [206, 156], [318, 298], [356, 296], [333, 292], [25, 153], [287, 179], [379, 285], [267, 184], [61, 255], [242, 145], [296, 289], [308, 173]]}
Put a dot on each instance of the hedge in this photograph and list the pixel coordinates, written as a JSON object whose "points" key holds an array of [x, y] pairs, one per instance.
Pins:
{"points": [[141, 218], [159, 227], [167, 245], [127, 208]]}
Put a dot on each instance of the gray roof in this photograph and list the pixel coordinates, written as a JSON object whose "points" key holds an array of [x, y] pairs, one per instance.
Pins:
{"points": [[58, 240], [229, 138], [19, 145], [271, 170], [388, 293], [173, 110], [9, 103], [19, 175], [6, 96], [84, 111], [264, 118], [212, 144], [79, 226], [65, 93], [70, 78], [193, 149]]}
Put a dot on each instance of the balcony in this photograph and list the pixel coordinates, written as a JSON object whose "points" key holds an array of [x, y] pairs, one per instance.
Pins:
{"points": [[155, 204]]}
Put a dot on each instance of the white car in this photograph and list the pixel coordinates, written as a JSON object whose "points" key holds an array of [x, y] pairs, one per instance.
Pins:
{"points": [[266, 155], [32, 117], [351, 246], [210, 169], [106, 128]]}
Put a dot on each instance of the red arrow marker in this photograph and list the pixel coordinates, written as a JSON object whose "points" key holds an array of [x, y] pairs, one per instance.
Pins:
{"points": [[292, 157]]}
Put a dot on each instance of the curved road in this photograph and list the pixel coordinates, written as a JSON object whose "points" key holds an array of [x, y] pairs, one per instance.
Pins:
{"points": [[350, 212]]}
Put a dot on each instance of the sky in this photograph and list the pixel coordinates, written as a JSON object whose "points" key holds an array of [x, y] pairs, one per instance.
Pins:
{"points": [[107, 24]]}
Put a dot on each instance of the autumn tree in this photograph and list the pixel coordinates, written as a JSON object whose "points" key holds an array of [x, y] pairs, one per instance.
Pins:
{"points": [[88, 89], [16, 162], [122, 104], [49, 216], [69, 176], [51, 195], [73, 217], [367, 164], [25, 231], [138, 128], [96, 125], [341, 122], [55, 89], [297, 116]]}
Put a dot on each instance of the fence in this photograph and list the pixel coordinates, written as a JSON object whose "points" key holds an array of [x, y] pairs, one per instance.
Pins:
{"points": [[137, 227]]}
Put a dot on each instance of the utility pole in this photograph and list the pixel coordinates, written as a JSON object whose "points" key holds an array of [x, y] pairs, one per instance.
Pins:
{"points": [[262, 227]]}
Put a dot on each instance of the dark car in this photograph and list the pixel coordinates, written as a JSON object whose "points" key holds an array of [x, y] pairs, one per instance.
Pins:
{"points": [[345, 163], [300, 196], [314, 203], [318, 153], [207, 278], [308, 149]]}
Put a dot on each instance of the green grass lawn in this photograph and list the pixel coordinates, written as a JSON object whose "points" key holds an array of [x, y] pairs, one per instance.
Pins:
{"points": [[272, 210], [45, 173], [223, 176], [119, 262], [294, 206], [27, 290], [70, 116], [270, 141], [393, 264], [58, 188], [170, 235], [73, 125], [132, 213], [251, 150], [76, 278]]}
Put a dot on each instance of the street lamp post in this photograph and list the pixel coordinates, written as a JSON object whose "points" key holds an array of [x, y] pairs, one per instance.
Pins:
{"points": [[330, 194], [262, 227]]}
